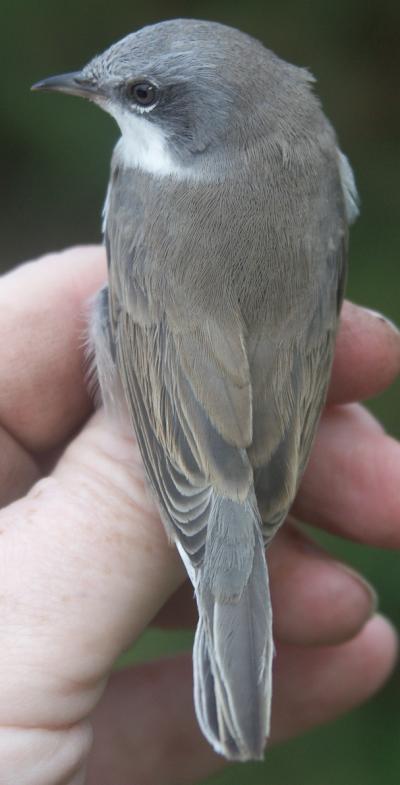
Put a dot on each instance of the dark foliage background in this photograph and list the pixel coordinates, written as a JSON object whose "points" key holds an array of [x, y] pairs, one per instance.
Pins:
{"points": [[54, 168]]}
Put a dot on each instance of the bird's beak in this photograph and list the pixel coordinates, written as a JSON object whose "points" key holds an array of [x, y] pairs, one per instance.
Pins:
{"points": [[72, 84]]}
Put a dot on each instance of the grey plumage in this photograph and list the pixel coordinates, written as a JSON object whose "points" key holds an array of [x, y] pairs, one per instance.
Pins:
{"points": [[227, 258]]}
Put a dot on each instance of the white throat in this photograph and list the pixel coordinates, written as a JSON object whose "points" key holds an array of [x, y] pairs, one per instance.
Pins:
{"points": [[143, 145]]}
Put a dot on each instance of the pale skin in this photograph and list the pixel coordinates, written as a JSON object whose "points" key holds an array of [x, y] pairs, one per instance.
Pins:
{"points": [[85, 565]]}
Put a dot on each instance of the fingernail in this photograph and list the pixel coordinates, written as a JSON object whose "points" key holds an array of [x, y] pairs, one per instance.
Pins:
{"points": [[306, 544], [364, 584], [383, 319]]}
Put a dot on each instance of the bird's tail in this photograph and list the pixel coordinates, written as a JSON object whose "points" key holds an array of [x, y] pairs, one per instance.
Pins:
{"points": [[233, 647]]}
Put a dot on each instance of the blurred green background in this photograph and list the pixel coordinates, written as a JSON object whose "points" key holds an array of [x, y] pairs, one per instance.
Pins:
{"points": [[55, 158]]}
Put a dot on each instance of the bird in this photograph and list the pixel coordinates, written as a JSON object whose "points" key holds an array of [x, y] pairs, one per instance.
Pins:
{"points": [[226, 227]]}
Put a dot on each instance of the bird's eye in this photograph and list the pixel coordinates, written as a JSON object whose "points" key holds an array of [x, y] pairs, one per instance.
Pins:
{"points": [[141, 93]]}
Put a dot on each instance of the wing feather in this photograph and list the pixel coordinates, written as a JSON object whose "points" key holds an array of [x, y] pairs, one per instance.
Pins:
{"points": [[184, 454]]}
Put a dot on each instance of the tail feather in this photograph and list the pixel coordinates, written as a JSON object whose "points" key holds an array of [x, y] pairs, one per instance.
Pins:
{"points": [[233, 648]]}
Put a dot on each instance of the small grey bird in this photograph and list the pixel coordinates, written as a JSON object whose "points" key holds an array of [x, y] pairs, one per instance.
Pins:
{"points": [[226, 226]]}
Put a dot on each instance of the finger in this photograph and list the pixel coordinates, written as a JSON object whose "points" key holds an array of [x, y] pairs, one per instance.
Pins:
{"points": [[150, 708], [367, 356], [18, 470], [43, 316], [316, 600], [85, 564], [315, 685], [351, 484], [29, 756]]}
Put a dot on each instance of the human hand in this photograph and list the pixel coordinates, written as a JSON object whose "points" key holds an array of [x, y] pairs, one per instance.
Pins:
{"points": [[85, 565]]}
